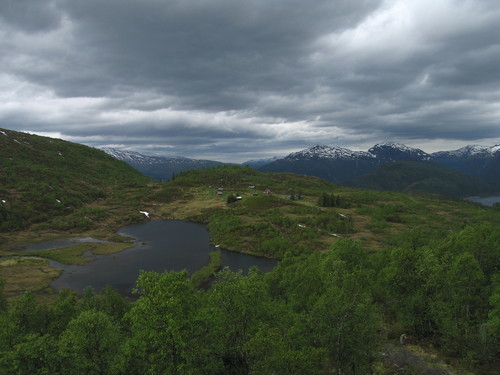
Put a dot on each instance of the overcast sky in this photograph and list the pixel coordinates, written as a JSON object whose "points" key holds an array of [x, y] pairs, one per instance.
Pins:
{"points": [[234, 80]]}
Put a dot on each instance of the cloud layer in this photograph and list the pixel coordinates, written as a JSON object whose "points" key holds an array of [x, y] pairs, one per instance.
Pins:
{"points": [[232, 80]]}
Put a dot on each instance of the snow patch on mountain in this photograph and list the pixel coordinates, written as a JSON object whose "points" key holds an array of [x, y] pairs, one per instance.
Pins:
{"points": [[260, 162], [398, 151], [328, 152], [495, 149], [469, 151], [133, 157], [397, 146]]}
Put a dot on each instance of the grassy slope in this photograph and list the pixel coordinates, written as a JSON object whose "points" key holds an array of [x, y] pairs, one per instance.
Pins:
{"points": [[43, 178]]}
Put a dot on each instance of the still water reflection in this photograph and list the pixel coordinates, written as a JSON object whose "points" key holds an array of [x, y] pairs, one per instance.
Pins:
{"points": [[160, 245]]}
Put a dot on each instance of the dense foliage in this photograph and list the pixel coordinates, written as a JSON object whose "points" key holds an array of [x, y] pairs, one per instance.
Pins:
{"points": [[313, 313]]}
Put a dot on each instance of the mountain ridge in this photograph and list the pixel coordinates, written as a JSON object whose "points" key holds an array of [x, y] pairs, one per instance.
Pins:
{"points": [[160, 168], [341, 165]]}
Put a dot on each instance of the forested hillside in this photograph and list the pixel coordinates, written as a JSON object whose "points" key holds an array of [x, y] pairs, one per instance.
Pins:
{"points": [[423, 178]]}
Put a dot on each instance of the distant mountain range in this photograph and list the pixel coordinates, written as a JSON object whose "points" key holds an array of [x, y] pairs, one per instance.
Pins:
{"points": [[470, 170], [477, 161], [477, 168], [160, 167], [337, 164]]}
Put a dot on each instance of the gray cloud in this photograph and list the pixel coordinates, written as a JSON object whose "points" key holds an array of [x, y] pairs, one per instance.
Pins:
{"points": [[234, 79], [30, 15]]}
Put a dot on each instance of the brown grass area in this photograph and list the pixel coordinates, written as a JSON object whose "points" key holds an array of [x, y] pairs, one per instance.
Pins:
{"points": [[183, 210], [26, 273], [363, 234]]}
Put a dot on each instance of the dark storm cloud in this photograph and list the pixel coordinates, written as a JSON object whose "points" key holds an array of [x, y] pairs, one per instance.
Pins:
{"points": [[29, 15], [230, 78], [205, 50]]}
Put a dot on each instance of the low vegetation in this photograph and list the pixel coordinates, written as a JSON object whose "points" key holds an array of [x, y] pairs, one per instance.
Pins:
{"points": [[79, 253], [43, 178], [205, 275]]}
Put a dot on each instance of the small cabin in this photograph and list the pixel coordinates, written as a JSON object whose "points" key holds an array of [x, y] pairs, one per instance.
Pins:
{"points": [[267, 191], [219, 193]]}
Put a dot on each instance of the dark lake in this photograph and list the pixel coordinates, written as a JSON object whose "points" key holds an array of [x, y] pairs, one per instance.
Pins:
{"points": [[161, 245]]}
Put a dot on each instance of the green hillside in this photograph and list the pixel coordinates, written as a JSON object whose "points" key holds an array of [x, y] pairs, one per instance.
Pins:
{"points": [[423, 178], [43, 178]]}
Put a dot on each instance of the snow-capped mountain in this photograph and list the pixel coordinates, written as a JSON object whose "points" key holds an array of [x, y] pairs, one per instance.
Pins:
{"points": [[159, 167], [339, 164], [334, 164], [470, 151], [256, 163], [327, 152], [390, 151], [478, 161], [133, 157], [398, 152]]}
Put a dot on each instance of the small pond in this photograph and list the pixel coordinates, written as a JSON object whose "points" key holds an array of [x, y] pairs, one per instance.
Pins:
{"points": [[161, 245]]}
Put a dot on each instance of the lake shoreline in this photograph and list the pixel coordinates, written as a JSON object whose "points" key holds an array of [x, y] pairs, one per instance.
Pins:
{"points": [[160, 245], [488, 201]]}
